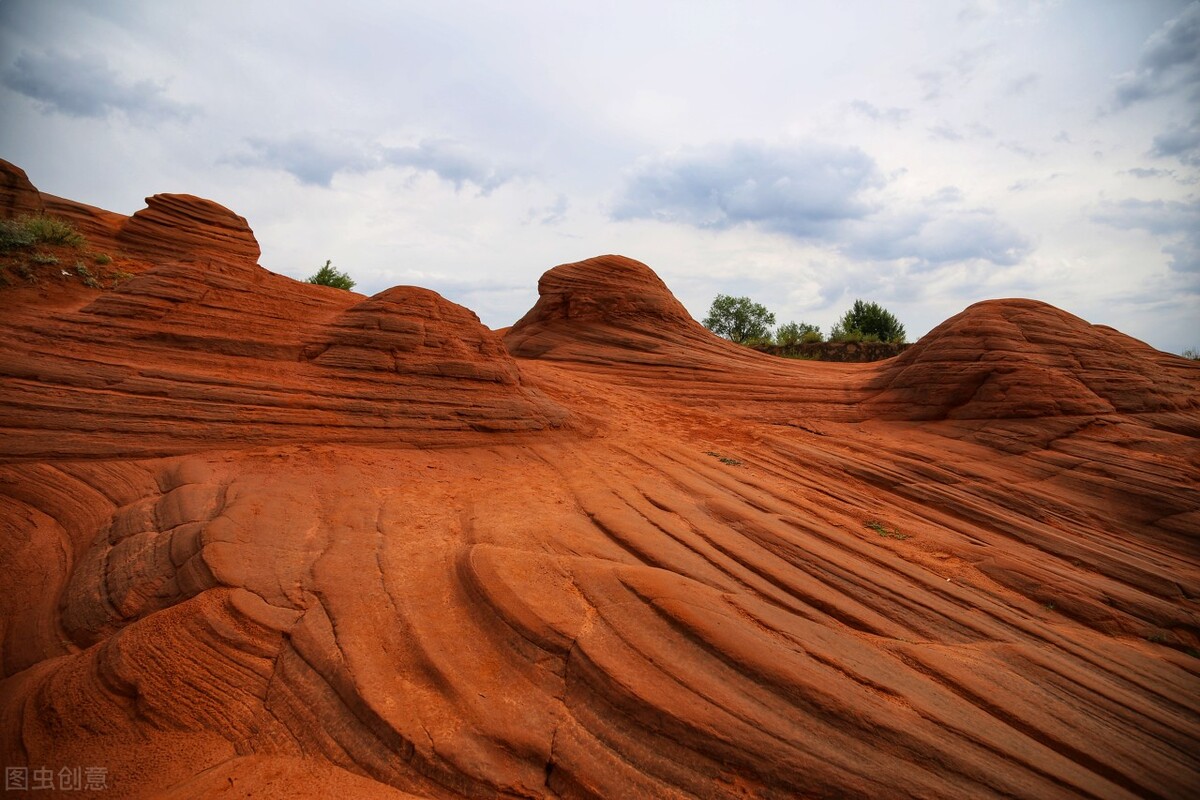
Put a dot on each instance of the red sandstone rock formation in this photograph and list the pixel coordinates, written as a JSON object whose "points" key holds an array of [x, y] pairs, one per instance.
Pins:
{"points": [[273, 539]]}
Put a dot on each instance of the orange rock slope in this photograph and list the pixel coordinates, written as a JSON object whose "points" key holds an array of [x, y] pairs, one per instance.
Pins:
{"points": [[263, 538]]}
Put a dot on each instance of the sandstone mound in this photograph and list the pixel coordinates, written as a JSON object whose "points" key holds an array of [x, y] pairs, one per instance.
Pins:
{"points": [[263, 538], [204, 348], [609, 308], [614, 317], [181, 226], [1005, 359], [414, 331]]}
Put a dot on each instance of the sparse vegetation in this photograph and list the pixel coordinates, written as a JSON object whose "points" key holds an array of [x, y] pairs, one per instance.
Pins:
{"points": [[330, 275], [733, 462], [1192, 354], [884, 531], [739, 319], [25, 271], [86, 275], [36, 248]]}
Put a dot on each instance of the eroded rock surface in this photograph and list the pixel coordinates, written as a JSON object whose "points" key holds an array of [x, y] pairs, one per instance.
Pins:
{"points": [[277, 539]]}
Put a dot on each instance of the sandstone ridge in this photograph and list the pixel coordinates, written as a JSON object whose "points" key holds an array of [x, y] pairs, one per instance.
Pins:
{"points": [[272, 539]]}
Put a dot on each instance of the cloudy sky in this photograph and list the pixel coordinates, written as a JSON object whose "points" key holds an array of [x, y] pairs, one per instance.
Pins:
{"points": [[921, 154]]}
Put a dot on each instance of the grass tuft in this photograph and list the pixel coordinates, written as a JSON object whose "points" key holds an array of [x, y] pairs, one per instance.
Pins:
{"points": [[884, 531], [86, 275]]}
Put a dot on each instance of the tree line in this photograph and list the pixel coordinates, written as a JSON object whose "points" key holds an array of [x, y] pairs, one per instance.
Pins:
{"points": [[744, 321]]}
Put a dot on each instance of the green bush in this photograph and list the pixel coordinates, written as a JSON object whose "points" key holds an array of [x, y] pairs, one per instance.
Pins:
{"points": [[13, 235], [330, 275], [739, 319], [868, 322], [49, 230], [30, 231], [797, 333], [839, 334]]}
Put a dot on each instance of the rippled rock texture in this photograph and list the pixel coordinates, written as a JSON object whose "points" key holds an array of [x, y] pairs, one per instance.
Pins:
{"points": [[273, 539]]}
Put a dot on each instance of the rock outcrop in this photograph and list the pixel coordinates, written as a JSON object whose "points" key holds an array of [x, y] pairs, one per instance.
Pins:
{"points": [[266, 538], [181, 226], [1005, 359], [18, 197]]}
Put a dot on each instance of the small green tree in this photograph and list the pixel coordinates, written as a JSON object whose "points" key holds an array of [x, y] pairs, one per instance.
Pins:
{"points": [[330, 275], [868, 322], [739, 319], [797, 333]]}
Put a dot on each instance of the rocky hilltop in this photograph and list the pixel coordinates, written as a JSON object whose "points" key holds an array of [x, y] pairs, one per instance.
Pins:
{"points": [[272, 539]]}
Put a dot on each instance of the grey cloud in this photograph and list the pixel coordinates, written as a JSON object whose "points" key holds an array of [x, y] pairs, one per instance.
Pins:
{"points": [[86, 86], [961, 67], [800, 190], [933, 240], [1025, 184], [891, 116], [1020, 85], [814, 193], [1139, 172], [1019, 149], [973, 12], [1182, 142], [1176, 222], [946, 133], [451, 161], [1170, 59], [552, 214], [931, 83], [945, 195], [314, 160]]}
